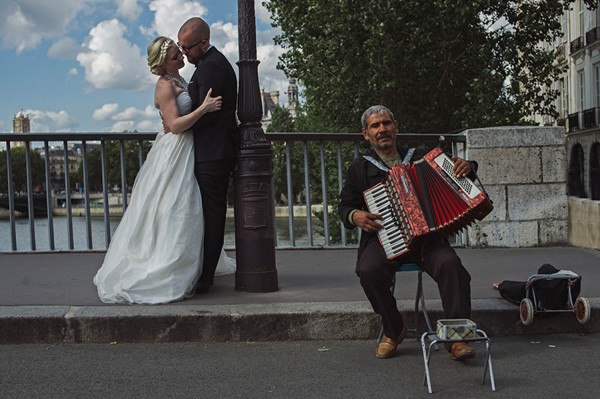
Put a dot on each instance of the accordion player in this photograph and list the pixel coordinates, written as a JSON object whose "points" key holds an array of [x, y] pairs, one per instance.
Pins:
{"points": [[422, 198]]}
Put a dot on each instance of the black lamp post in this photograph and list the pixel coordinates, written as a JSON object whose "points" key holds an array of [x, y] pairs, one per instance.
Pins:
{"points": [[254, 219]]}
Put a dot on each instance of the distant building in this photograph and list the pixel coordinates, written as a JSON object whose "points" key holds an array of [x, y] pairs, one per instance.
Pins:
{"points": [[270, 100], [56, 160], [578, 103], [293, 104], [21, 124]]}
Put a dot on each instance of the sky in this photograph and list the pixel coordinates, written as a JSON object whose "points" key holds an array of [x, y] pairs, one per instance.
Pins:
{"points": [[81, 65]]}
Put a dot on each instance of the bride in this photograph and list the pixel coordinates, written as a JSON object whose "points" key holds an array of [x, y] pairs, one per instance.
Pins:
{"points": [[156, 252]]}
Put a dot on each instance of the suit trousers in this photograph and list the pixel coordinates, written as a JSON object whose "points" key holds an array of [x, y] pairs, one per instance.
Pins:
{"points": [[439, 260], [213, 179]]}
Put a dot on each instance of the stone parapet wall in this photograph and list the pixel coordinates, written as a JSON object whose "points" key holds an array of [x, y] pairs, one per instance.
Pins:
{"points": [[523, 169]]}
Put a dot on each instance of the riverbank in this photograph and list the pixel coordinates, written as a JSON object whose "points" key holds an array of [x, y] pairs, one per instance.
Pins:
{"points": [[5, 214]]}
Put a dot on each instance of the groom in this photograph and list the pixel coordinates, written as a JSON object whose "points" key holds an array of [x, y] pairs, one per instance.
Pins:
{"points": [[215, 137]]}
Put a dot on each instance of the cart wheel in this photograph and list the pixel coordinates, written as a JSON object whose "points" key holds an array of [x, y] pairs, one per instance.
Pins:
{"points": [[582, 310], [526, 311]]}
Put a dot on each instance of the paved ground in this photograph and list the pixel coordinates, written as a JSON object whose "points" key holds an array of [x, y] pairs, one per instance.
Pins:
{"points": [[52, 297], [548, 367]]}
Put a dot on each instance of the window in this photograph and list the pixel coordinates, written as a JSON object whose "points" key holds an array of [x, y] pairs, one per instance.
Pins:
{"points": [[597, 84], [595, 171], [575, 184], [564, 27], [558, 101], [565, 90], [580, 81], [581, 30]]}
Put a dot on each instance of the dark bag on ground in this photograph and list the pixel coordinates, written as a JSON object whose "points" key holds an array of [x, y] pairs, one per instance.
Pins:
{"points": [[550, 293]]}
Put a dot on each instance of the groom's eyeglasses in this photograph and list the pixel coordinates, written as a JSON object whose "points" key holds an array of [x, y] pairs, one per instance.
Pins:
{"points": [[187, 49]]}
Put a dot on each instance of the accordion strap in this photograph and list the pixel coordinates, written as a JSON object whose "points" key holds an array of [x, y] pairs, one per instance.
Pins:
{"points": [[378, 164], [482, 187], [385, 168], [479, 181], [408, 156]]}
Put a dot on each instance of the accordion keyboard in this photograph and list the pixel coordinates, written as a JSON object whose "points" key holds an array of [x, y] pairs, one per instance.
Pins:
{"points": [[391, 236]]}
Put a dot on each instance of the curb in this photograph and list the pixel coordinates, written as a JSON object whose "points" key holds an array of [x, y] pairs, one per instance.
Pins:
{"points": [[256, 322]]}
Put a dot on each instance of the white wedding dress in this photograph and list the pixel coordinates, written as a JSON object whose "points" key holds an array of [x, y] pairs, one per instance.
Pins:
{"points": [[156, 252]]}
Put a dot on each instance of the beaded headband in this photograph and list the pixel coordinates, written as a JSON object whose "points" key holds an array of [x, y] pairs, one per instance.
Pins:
{"points": [[163, 50], [162, 55]]}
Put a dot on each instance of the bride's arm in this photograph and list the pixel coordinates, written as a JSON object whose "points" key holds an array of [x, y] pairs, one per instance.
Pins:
{"points": [[165, 98]]}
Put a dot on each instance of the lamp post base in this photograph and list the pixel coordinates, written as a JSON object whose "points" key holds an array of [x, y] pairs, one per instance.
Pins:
{"points": [[256, 281]]}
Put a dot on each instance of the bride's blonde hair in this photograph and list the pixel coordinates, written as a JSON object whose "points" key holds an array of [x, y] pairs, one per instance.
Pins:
{"points": [[157, 53]]}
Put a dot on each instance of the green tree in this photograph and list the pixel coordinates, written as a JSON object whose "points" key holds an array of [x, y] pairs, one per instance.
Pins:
{"points": [[283, 122], [113, 164], [94, 168], [442, 66], [19, 171]]}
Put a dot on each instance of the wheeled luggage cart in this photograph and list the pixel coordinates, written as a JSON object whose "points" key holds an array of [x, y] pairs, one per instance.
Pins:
{"points": [[532, 302]]}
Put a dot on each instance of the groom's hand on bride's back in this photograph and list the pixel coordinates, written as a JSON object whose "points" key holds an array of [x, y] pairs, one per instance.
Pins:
{"points": [[166, 128]]}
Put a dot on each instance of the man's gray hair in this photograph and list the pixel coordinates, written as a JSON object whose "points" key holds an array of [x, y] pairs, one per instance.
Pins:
{"points": [[374, 110]]}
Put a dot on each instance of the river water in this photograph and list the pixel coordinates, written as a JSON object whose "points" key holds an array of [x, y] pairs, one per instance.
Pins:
{"points": [[98, 233]]}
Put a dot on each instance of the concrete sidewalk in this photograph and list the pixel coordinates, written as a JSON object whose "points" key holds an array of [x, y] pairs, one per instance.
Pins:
{"points": [[50, 297]]}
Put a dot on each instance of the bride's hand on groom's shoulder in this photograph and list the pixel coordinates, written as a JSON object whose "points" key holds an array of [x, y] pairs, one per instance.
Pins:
{"points": [[212, 104]]}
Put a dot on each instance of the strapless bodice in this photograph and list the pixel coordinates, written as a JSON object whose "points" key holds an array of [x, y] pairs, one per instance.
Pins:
{"points": [[184, 103]]}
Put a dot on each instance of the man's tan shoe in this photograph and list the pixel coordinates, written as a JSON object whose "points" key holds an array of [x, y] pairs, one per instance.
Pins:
{"points": [[461, 351], [387, 346]]}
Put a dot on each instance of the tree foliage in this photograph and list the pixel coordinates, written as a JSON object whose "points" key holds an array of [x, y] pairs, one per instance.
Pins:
{"points": [[19, 170], [282, 121], [441, 66], [113, 164]]}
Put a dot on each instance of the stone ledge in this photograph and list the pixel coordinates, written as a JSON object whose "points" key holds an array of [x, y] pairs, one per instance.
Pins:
{"points": [[274, 322], [515, 136]]}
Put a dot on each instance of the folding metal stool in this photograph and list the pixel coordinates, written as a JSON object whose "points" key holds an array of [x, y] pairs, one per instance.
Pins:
{"points": [[419, 299]]}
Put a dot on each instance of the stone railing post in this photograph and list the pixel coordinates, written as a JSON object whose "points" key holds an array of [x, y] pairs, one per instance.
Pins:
{"points": [[523, 169]]}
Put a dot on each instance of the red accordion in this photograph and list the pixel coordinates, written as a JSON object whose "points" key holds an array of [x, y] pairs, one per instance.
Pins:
{"points": [[421, 198]]}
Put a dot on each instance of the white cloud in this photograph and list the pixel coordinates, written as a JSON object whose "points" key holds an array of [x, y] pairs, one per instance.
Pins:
{"points": [[169, 15], [261, 12], [64, 48], [111, 61], [272, 78], [225, 37], [123, 126], [73, 72], [129, 9], [105, 112], [48, 121], [24, 23], [130, 119], [129, 114]]}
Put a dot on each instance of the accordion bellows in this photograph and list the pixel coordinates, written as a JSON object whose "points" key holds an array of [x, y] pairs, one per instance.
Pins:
{"points": [[422, 198]]}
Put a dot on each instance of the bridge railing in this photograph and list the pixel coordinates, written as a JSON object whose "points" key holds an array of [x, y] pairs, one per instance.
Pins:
{"points": [[309, 169]]}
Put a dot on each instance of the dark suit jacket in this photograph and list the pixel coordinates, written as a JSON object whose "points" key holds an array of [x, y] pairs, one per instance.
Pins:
{"points": [[215, 134], [362, 175]]}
